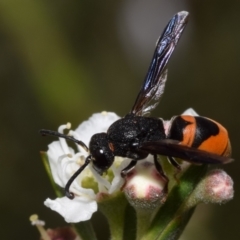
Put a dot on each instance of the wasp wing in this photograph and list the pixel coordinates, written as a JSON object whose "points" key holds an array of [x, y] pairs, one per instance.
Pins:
{"points": [[171, 148], [154, 83]]}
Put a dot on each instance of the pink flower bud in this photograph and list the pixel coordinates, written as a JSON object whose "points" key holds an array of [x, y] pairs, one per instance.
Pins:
{"points": [[145, 188], [216, 187], [62, 233]]}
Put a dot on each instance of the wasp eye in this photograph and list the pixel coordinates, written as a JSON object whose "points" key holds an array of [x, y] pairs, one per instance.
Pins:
{"points": [[102, 160], [98, 155], [101, 153]]}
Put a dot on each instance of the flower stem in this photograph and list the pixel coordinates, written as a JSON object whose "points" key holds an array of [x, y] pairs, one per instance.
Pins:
{"points": [[114, 210], [144, 217], [85, 230], [176, 227], [130, 223], [173, 216]]}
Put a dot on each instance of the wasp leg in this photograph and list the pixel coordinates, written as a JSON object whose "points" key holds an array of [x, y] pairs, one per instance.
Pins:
{"points": [[177, 167], [128, 168], [174, 163], [159, 167]]}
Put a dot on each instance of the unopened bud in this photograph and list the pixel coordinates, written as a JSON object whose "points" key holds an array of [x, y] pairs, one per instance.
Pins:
{"points": [[145, 188], [216, 187]]}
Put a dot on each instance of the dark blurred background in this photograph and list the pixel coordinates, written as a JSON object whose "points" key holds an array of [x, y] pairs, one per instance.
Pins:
{"points": [[63, 60]]}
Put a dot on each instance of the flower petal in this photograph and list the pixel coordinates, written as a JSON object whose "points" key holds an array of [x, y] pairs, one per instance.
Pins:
{"points": [[64, 162], [190, 111], [118, 181], [75, 210], [54, 153], [98, 122]]}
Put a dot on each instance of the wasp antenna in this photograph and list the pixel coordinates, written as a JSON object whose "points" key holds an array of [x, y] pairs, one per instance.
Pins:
{"points": [[45, 132], [69, 194]]}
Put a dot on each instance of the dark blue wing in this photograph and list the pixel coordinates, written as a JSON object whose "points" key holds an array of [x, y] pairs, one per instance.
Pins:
{"points": [[154, 83]]}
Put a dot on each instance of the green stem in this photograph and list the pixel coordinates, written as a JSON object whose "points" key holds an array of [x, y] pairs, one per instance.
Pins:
{"points": [[129, 223], [176, 227], [85, 230], [173, 216], [144, 217], [114, 210]]}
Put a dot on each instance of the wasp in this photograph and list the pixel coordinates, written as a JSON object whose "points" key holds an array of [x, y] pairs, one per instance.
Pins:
{"points": [[194, 139]]}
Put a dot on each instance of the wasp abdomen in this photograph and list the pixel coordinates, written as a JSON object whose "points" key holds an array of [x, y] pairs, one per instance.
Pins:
{"points": [[200, 132]]}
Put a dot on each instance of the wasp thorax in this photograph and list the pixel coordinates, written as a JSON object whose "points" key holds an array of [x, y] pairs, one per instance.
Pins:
{"points": [[102, 156]]}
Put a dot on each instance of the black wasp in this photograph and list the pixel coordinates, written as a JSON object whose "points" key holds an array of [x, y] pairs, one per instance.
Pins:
{"points": [[135, 136]]}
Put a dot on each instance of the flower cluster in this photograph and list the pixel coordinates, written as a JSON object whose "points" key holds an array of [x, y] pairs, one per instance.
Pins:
{"points": [[65, 161], [89, 186], [149, 192]]}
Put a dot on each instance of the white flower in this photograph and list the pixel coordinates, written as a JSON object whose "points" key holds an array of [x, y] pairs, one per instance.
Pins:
{"points": [[65, 161], [191, 112], [167, 123]]}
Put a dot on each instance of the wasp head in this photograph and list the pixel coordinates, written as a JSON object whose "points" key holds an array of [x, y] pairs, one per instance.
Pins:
{"points": [[101, 155]]}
